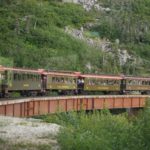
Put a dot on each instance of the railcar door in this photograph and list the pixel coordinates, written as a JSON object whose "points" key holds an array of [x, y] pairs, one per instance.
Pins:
{"points": [[43, 82], [6, 82], [1, 83], [123, 86]]}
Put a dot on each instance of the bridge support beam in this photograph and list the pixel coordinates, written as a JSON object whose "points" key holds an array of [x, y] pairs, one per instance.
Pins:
{"points": [[47, 105]]}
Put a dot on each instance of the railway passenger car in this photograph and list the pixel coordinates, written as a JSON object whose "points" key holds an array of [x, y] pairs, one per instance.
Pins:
{"points": [[29, 82], [63, 83], [141, 84], [24, 81], [103, 83]]}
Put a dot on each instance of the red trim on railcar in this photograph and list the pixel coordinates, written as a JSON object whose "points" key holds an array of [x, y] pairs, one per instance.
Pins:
{"points": [[22, 70], [102, 77], [137, 78], [60, 74]]}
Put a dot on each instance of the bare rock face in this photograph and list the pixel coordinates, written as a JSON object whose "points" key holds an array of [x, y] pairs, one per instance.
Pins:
{"points": [[123, 56], [103, 44], [75, 32], [89, 4]]}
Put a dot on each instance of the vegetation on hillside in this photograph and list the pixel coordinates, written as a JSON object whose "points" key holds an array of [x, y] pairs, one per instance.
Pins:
{"points": [[32, 35], [128, 21], [102, 130]]}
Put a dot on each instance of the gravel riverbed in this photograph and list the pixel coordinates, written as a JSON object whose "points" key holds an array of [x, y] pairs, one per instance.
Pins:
{"points": [[18, 130]]}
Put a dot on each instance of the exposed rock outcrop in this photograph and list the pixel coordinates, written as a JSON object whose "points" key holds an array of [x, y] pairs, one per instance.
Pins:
{"points": [[89, 4], [103, 44]]}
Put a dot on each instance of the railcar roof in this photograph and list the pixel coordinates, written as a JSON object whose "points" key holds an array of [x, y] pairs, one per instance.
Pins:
{"points": [[101, 76], [137, 78], [22, 70], [60, 74]]}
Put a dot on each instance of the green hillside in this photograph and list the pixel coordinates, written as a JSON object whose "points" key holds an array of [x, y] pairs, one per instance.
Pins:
{"points": [[32, 35]]}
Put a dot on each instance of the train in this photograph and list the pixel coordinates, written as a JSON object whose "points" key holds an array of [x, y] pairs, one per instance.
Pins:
{"points": [[28, 82]]}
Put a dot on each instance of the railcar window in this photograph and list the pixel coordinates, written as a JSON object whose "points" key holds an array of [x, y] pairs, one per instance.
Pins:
{"points": [[102, 82], [129, 82], [99, 82], [28, 76], [89, 82], [139, 82], [70, 81], [124, 82], [57, 80], [31, 76], [15, 76], [66, 81], [38, 77], [134, 82], [92, 82], [1, 77], [105, 82], [18, 77], [74, 81], [110, 82], [23, 77], [34, 77], [143, 83], [53, 79], [95, 82], [147, 83], [62, 80], [116, 82]]}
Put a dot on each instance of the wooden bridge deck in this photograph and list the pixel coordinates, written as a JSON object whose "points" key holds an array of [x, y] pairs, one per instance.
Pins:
{"points": [[47, 105]]}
